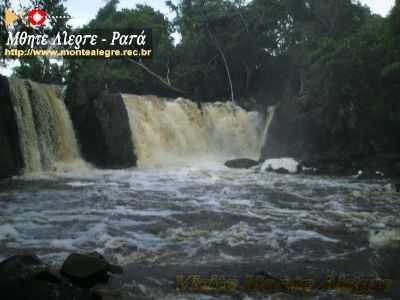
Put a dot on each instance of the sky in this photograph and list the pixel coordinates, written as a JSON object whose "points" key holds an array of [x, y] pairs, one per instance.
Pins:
{"points": [[82, 11]]}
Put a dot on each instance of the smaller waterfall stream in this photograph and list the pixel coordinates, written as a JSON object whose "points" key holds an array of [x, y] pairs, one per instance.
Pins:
{"points": [[270, 117], [47, 137]]}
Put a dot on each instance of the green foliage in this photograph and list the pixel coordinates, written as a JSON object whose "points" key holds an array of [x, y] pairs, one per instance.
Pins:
{"points": [[395, 18], [119, 74], [40, 68], [391, 70], [334, 53], [356, 79]]}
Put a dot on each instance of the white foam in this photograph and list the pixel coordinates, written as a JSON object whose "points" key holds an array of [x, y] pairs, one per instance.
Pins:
{"points": [[300, 235], [384, 238], [64, 244], [286, 163], [80, 184]]}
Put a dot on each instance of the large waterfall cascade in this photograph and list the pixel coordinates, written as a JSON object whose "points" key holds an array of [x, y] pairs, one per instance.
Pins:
{"points": [[47, 138], [167, 132]]}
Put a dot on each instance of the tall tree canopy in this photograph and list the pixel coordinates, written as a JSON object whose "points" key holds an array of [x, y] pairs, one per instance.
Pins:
{"points": [[333, 54], [120, 74], [37, 68]]}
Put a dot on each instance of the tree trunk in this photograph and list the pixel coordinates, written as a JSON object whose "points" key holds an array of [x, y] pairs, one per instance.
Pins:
{"points": [[221, 52], [161, 79]]}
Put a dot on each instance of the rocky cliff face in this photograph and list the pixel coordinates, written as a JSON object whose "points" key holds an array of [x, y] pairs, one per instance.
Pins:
{"points": [[323, 138], [10, 156], [295, 131], [101, 123]]}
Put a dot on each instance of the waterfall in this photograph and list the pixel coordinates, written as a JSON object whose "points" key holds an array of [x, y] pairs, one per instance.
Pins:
{"points": [[176, 132], [270, 117], [45, 129]]}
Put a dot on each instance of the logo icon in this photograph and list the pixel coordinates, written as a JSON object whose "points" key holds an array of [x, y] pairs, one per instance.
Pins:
{"points": [[37, 17], [9, 17]]}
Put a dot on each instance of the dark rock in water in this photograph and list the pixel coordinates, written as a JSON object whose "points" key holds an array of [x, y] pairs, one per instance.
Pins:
{"points": [[101, 123], [27, 267], [281, 171], [88, 270], [241, 163], [26, 277], [10, 154]]}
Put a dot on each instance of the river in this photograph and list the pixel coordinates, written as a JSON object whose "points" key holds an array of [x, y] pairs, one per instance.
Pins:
{"points": [[203, 219]]}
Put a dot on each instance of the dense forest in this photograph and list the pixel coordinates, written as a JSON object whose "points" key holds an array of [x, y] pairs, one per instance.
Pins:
{"points": [[333, 57]]}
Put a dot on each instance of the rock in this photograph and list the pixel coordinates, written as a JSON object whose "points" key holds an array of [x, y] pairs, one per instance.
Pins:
{"points": [[10, 154], [102, 126], [295, 131], [281, 166], [27, 267], [281, 171], [303, 127], [241, 163], [26, 277], [88, 270]]}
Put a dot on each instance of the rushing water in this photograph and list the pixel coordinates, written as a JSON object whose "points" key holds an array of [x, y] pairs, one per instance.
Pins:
{"points": [[179, 132], [47, 138], [203, 219], [190, 215]]}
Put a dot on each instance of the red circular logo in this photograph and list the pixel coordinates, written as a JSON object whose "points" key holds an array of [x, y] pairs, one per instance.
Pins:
{"points": [[36, 17]]}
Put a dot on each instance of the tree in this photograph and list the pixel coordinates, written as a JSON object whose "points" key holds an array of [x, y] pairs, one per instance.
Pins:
{"points": [[39, 68], [394, 18], [120, 74]]}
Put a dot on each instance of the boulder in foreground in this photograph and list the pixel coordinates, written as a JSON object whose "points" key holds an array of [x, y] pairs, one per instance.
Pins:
{"points": [[26, 277], [26, 267], [88, 270], [241, 163]]}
